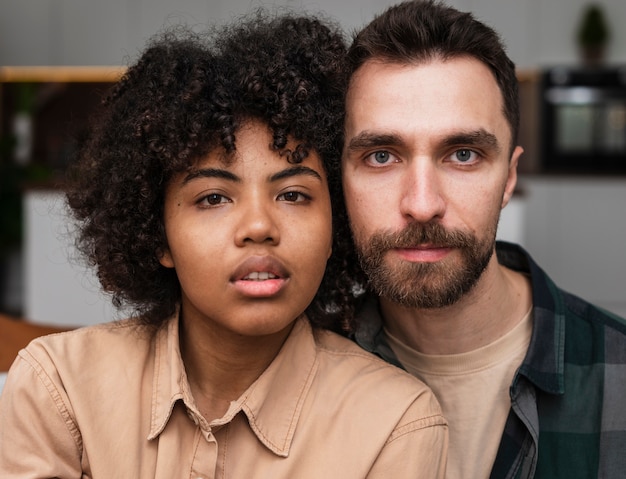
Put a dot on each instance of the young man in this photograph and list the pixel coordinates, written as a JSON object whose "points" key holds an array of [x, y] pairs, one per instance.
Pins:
{"points": [[530, 378]]}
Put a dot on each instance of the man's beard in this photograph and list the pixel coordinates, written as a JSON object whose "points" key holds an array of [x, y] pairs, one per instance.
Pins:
{"points": [[425, 285]]}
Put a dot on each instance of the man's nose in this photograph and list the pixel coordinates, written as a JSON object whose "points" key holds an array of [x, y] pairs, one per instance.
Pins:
{"points": [[422, 198]]}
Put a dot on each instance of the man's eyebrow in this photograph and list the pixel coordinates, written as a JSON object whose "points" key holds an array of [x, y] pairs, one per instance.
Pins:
{"points": [[366, 139], [211, 173], [481, 138], [295, 171]]}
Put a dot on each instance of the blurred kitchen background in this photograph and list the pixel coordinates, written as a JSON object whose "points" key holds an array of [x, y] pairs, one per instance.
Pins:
{"points": [[57, 57]]}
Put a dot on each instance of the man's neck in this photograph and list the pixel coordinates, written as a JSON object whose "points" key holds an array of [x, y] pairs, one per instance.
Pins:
{"points": [[495, 305]]}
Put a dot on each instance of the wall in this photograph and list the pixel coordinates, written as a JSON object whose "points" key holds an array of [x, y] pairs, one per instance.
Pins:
{"points": [[566, 226], [575, 228], [112, 32]]}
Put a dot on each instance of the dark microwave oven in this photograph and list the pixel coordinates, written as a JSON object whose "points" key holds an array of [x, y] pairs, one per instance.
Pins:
{"points": [[583, 120]]}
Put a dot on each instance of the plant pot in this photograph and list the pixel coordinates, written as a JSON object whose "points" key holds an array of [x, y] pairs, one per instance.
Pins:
{"points": [[592, 56]]}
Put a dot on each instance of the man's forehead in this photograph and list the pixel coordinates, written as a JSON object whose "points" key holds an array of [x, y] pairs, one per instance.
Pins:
{"points": [[378, 82]]}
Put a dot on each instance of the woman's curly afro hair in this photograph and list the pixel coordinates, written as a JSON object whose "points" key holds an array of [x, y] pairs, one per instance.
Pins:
{"points": [[186, 95]]}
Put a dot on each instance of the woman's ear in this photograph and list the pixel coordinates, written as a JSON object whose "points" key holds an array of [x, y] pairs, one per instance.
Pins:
{"points": [[165, 257]]}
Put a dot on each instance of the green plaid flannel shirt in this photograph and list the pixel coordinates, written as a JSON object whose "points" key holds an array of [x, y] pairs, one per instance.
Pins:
{"points": [[568, 398]]}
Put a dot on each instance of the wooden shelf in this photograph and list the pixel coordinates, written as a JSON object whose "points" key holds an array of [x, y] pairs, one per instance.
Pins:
{"points": [[65, 74], [528, 75], [60, 100]]}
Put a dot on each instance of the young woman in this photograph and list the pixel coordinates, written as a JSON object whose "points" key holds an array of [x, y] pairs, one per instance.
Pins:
{"points": [[207, 195]]}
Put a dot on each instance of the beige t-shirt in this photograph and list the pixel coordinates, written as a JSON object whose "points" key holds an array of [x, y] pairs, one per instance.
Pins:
{"points": [[473, 390], [110, 401]]}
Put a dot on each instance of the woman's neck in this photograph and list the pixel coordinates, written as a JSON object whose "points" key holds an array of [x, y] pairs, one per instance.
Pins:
{"points": [[221, 365]]}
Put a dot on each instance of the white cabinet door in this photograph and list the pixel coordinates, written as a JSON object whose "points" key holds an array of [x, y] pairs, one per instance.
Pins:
{"points": [[58, 287]]}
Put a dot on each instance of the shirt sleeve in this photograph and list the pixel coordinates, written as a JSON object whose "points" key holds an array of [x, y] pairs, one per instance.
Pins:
{"points": [[38, 437], [417, 448]]}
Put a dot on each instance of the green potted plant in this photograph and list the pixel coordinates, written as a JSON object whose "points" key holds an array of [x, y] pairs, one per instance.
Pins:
{"points": [[593, 35]]}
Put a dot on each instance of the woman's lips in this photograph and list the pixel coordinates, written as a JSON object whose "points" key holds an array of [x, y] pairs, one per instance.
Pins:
{"points": [[260, 277]]}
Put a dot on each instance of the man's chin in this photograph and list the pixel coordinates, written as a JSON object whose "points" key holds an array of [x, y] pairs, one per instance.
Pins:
{"points": [[415, 277], [425, 285], [420, 294]]}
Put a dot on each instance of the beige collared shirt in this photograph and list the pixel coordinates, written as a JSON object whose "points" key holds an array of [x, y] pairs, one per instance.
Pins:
{"points": [[112, 401]]}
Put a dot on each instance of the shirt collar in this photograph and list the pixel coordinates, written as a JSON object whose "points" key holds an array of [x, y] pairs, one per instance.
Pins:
{"points": [[169, 384], [272, 404], [544, 361]]}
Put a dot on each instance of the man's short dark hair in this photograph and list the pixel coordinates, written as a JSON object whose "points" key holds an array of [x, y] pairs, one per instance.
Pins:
{"points": [[418, 31]]}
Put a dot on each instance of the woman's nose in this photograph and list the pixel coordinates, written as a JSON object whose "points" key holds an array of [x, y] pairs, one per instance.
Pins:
{"points": [[257, 224]]}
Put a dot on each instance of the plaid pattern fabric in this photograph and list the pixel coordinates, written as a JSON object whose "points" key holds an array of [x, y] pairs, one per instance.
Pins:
{"points": [[568, 398]]}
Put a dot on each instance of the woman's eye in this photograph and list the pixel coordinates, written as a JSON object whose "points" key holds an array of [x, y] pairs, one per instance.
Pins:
{"points": [[293, 196], [213, 199]]}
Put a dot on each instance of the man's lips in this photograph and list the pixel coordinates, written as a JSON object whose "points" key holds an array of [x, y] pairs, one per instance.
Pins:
{"points": [[423, 253], [260, 277]]}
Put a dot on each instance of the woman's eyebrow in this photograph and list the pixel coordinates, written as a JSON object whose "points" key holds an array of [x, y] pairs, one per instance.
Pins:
{"points": [[295, 171], [211, 173], [227, 175]]}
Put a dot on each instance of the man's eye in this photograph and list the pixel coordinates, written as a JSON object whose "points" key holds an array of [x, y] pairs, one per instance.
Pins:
{"points": [[464, 156], [381, 157], [293, 196]]}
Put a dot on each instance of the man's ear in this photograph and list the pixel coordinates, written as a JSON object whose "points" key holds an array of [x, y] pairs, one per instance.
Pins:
{"points": [[511, 180]]}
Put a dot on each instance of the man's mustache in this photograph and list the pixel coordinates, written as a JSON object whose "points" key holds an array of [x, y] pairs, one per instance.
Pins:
{"points": [[417, 234]]}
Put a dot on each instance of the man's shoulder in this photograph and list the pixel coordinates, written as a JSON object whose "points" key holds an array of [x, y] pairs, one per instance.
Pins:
{"points": [[593, 375], [593, 335], [548, 295], [588, 312]]}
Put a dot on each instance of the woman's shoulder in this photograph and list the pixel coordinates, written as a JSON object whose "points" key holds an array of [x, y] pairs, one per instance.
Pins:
{"points": [[98, 346], [130, 329], [354, 376], [362, 366]]}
